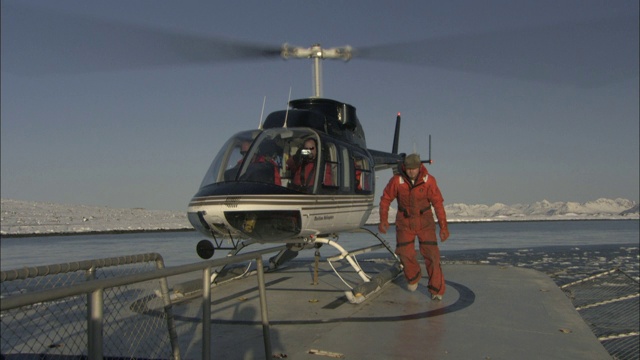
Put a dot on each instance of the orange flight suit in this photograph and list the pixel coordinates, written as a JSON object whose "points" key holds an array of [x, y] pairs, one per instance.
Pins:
{"points": [[415, 218]]}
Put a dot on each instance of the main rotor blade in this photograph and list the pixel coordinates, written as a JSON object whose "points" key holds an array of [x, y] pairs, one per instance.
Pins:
{"points": [[585, 54], [38, 42]]}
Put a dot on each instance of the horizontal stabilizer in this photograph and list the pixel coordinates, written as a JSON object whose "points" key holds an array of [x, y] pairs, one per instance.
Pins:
{"points": [[385, 160]]}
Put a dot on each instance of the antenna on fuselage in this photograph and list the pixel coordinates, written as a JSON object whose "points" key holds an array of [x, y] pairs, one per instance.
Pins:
{"points": [[286, 114], [262, 113]]}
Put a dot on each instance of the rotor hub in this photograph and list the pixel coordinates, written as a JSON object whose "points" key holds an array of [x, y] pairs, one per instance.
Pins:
{"points": [[316, 52]]}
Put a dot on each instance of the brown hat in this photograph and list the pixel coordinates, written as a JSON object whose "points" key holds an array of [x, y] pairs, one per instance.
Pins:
{"points": [[412, 161]]}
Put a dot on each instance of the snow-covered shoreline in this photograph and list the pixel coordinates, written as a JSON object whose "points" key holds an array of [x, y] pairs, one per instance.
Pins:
{"points": [[600, 209], [29, 218], [41, 218]]}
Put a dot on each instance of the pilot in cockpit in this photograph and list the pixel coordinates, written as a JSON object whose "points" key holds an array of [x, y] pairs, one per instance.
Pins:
{"points": [[302, 166]]}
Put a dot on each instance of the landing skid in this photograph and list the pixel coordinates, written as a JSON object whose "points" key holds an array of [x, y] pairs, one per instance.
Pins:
{"points": [[356, 294], [370, 284]]}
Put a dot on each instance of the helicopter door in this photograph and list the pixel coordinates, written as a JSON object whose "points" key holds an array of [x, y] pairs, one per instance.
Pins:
{"points": [[347, 181], [331, 166], [363, 175]]}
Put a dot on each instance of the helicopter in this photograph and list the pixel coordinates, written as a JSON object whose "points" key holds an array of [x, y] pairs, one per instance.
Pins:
{"points": [[281, 204], [306, 174]]}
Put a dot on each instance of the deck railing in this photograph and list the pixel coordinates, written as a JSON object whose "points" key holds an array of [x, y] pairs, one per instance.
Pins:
{"points": [[19, 305]]}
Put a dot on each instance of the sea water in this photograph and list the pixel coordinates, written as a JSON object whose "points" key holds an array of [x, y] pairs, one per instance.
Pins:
{"points": [[178, 248]]}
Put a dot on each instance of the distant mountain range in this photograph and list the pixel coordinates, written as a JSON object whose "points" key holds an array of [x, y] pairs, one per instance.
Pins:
{"points": [[30, 217], [542, 210]]}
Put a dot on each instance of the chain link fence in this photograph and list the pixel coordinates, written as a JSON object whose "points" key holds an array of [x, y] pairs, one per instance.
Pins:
{"points": [[60, 328], [610, 303]]}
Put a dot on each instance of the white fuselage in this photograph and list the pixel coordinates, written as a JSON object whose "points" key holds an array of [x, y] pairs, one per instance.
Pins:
{"points": [[318, 214]]}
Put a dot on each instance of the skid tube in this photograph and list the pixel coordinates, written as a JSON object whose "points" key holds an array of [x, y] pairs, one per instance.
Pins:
{"points": [[370, 284]]}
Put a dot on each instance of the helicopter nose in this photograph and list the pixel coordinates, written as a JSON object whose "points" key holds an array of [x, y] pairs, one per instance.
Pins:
{"points": [[266, 225]]}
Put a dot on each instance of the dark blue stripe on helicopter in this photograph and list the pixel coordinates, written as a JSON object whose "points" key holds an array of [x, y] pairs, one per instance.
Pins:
{"points": [[243, 188]]}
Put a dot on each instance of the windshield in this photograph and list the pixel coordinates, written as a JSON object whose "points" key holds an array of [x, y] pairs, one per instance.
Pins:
{"points": [[283, 157], [226, 164]]}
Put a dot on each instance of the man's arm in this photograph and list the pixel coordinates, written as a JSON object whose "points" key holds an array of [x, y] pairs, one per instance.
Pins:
{"points": [[388, 195]]}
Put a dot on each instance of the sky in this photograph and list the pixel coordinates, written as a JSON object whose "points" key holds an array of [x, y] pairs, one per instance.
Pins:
{"points": [[79, 128]]}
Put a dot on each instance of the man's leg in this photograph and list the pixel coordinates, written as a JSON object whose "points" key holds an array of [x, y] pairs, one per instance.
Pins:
{"points": [[431, 253], [406, 251]]}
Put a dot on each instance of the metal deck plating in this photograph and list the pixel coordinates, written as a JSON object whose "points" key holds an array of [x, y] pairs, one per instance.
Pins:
{"points": [[488, 312]]}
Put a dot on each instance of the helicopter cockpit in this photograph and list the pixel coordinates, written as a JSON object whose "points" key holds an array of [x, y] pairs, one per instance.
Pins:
{"points": [[297, 159]]}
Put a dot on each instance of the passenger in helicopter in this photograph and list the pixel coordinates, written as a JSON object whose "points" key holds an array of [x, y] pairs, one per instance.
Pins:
{"points": [[363, 175], [264, 167], [358, 166], [244, 148], [303, 167]]}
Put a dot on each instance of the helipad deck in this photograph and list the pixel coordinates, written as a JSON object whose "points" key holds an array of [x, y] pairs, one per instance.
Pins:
{"points": [[488, 312]]}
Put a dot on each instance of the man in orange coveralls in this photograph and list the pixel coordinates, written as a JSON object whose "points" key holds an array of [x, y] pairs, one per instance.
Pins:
{"points": [[416, 192]]}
